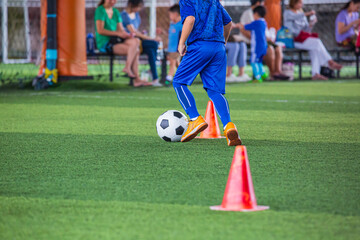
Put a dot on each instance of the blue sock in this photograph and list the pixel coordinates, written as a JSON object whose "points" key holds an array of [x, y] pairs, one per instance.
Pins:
{"points": [[221, 106], [261, 69], [186, 100], [256, 71]]}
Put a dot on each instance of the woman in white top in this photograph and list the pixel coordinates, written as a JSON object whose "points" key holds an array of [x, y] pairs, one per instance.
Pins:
{"points": [[295, 19]]}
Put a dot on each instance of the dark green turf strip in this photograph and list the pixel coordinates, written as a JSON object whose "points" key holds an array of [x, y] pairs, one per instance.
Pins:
{"points": [[289, 176]]}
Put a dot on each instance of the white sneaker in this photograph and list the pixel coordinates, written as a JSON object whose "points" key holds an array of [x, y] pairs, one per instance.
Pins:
{"points": [[243, 78], [156, 83], [231, 78], [169, 78]]}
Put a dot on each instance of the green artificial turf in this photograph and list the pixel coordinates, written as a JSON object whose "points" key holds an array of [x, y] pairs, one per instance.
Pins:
{"points": [[83, 161]]}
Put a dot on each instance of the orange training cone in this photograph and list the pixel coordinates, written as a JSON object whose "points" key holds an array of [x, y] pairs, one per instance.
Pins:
{"points": [[213, 130], [239, 192]]}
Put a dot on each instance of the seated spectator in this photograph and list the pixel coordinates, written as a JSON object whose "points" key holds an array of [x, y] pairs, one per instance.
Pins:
{"points": [[346, 23], [258, 42], [274, 57], [295, 19], [236, 55], [174, 37], [112, 38], [131, 21]]}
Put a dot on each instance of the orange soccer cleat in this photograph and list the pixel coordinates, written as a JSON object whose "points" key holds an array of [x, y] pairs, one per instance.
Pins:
{"points": [[232, 136], [194, 128]]}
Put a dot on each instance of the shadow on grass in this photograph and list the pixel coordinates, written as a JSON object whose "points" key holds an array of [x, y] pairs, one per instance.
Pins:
{"points": [[72, 85]]}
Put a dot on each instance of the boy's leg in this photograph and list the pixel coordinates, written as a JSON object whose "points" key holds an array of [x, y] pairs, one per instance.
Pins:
{"points": [[213, 77], [196, 124], [255, 67], [256, 71], [221, 106], [186, 100], [261, 68], [196, 58], [264, 75]]}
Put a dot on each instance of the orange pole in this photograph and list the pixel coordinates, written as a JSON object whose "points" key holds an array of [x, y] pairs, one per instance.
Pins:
{"points": [[43, 25], [71, 34], [273, 13]]}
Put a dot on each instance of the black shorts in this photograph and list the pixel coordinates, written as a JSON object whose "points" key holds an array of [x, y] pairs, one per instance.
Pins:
{"points": [[113, 41], [272, 44]]}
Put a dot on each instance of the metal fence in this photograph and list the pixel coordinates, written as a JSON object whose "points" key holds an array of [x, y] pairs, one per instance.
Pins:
{"points": [[326, 12], [154, 16]]}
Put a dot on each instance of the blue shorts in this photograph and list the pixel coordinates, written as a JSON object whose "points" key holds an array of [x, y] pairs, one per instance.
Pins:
{"points": [[257, 57], [208, 59]]}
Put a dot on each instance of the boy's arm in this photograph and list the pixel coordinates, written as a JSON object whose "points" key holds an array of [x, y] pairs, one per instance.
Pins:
{"points": [[186, 30], [243, 31], [247, 33], [227, 30], [250, 26]]}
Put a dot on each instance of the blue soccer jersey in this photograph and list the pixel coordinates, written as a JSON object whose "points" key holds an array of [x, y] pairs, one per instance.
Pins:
{"points": [[258, 38], [210, 19], [174, 36]]}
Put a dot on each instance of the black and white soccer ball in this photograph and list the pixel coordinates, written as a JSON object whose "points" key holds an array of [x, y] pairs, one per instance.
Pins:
{"points": [[171, 125]]}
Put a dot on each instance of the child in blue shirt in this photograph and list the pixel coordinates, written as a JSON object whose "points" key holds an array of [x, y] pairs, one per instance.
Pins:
{"points": [[258, 42], [174, 37], [206, 28]]}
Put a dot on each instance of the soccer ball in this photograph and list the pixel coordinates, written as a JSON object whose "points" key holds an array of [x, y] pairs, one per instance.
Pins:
{"points": [[171, 125]]}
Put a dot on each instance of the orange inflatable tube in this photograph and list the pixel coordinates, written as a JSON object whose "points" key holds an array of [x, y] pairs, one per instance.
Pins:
{"points": [[71, 34], [273, 13]]}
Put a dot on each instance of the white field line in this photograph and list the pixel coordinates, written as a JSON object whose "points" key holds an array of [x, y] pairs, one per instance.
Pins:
{"points": [[71, 95]]}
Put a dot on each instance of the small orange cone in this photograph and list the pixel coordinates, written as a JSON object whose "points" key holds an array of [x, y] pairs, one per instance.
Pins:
{"points": [[213, 130], [239, 192]]}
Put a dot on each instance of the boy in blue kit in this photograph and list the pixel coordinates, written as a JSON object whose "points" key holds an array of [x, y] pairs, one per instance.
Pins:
{"points": [[206, 28], [174, 37], [258, 42]]}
